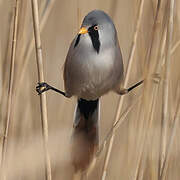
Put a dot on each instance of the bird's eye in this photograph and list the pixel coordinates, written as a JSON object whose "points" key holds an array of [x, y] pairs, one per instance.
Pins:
{"points": [[96, 28]]}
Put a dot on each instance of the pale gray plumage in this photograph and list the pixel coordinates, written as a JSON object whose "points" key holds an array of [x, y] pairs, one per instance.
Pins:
{"points": [[89, 74], [93, 67]]}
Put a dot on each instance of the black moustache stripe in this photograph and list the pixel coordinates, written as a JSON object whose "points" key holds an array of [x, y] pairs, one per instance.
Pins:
{"points": [[94, 35], [77, 40]]}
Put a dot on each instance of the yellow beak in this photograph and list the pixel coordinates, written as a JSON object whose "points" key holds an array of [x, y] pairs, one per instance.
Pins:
{"points": [[83, 30]]}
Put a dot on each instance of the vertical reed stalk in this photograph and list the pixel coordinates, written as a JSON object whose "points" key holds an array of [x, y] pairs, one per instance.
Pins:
{"points": [[43, 106], [117, 125], [10, 92], [27, 56], [166, 107], [177, 44], [147, 147], [133, 47], [170, 144], [150, 90]]}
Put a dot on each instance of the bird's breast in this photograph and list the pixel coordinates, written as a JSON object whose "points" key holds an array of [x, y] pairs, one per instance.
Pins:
{"points": [[90, 74]]}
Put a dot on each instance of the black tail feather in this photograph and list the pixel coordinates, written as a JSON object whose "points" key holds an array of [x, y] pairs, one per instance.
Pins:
{"points": [[87, 108], [85, 137]]}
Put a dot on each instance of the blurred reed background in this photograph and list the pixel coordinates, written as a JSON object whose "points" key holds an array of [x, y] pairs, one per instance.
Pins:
{"points": [[144, 144]]}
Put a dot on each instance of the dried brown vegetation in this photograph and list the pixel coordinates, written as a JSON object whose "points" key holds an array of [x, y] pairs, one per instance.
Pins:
{"points": [[144, 144]]}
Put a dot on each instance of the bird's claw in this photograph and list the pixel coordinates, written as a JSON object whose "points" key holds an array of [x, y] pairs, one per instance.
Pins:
{"points": [[42, 87]]}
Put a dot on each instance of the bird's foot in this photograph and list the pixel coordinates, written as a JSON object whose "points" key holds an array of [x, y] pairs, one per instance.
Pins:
{"points": [[42, 87]]}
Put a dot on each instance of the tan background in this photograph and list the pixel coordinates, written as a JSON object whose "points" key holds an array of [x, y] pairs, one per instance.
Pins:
{"points": [[24, 153]]}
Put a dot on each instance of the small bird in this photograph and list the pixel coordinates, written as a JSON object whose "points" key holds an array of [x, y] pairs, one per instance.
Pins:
{"points": [[93, 67]]}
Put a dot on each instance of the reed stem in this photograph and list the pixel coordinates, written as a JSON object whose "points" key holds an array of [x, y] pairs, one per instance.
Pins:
{"points": [[10, 92], [129, 67], [43, 103], [165, 104]]}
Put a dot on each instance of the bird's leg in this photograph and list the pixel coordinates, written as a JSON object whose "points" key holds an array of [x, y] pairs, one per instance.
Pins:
{"points": [[155, 77], [125, 91], [42, 87]]}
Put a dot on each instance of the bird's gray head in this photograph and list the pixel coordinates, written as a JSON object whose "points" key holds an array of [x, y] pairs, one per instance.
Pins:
{"points": [[98, 29]]}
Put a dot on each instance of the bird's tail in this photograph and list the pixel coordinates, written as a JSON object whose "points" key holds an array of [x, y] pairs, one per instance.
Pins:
{"points": [[85, 137]]}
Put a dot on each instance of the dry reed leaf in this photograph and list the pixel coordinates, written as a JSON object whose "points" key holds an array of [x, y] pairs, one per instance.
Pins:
{"points": [[136, 148]]}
